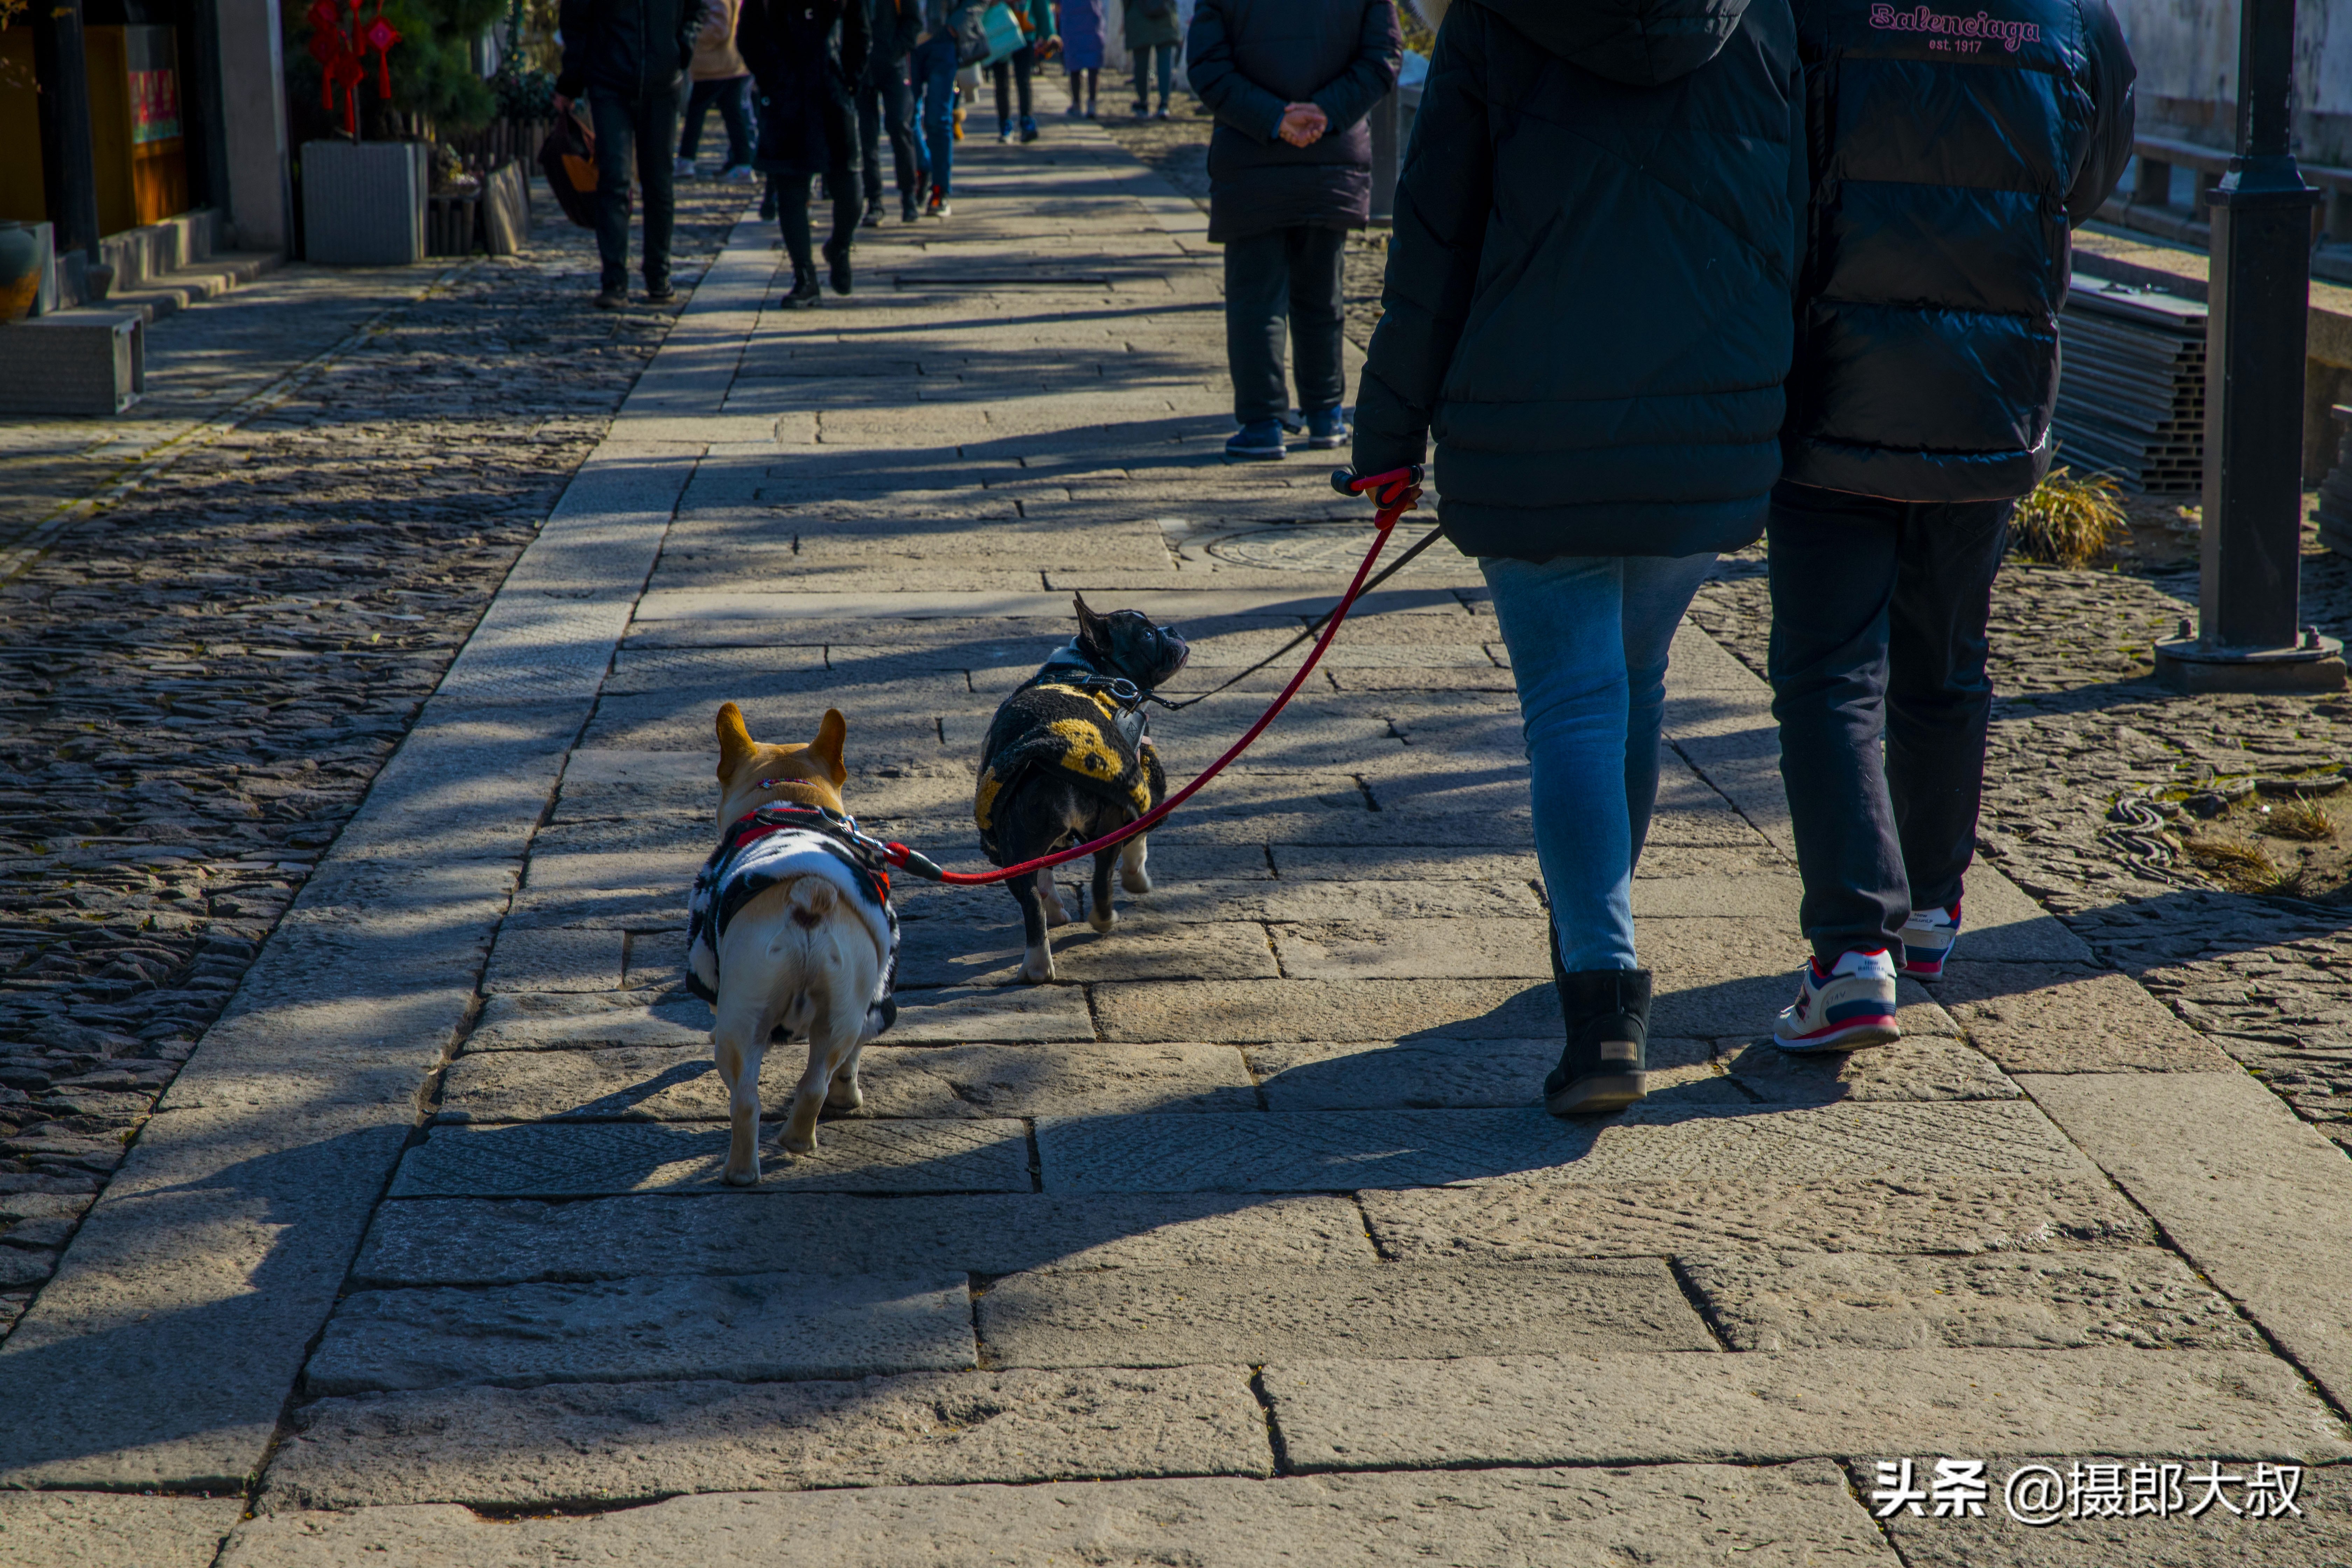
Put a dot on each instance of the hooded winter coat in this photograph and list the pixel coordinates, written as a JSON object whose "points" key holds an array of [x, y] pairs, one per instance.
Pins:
{"points": [[1251, 60], [625, 49], [1951, 154], [804, 56], [1590, 281]]}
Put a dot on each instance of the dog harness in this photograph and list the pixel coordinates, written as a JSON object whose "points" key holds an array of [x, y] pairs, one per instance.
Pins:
{"points": [[1072, 717], [771, 845]]}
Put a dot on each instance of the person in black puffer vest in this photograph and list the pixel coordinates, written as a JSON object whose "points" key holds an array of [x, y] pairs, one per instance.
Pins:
{"points": [[1290, 172], [630, 58], [1588, 302], [806, 55], [1951, 155]]}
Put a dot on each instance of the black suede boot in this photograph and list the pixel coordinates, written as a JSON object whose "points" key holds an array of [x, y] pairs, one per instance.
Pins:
{"points": [[806, 290], [1607, 1014]]}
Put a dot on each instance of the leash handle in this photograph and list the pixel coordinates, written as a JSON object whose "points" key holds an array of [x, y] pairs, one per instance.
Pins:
{"points": [[1394, 493]]}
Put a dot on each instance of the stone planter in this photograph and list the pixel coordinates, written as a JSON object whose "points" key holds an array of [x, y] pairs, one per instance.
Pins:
{"points": [[363, 202]]}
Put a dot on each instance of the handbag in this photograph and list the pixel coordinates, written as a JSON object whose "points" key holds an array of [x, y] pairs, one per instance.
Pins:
{"points": [[1002, 35], [568, 159]]}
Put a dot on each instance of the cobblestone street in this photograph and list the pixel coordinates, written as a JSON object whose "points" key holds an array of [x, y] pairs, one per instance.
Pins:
{"points": [[359, 765]]}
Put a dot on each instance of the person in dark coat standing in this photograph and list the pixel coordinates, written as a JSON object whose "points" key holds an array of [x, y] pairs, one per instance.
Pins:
{"points": [[1290, 172], [630, 58], [1153, 31], [805, 54], [1919, 407], [1589, 304], [885, 103]]}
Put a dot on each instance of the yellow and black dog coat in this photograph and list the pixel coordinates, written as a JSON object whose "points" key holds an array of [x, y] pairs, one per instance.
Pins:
{"points": [[1088, 728]]}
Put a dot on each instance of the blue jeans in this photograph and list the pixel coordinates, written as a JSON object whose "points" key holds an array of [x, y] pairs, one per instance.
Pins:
{"points": [[1588, 638], [934, 66]]}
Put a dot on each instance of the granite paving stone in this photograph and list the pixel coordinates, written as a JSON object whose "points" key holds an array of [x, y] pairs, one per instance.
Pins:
{"points": [[1673, 1516], [1254, 1313], [599, 1159], [562, 1021], [1760, 1406], [2240, 1186], [1265, 1012], [748, 1328], [1444, 1074], [1958, 1212], [2038, 1017], [109, 1530], [453, 1241], [2033, 1300], [573, 1444], [656, 1084], [935, 953], [1917, 1067], [548, 960]]}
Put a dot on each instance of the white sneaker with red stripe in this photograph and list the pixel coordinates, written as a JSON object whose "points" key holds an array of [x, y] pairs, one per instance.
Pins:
{"points": [[1842, 1008], [1927, 939]]}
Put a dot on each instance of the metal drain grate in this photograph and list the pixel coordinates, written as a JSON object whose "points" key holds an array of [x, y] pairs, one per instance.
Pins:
{"points": [[2131, 387]]}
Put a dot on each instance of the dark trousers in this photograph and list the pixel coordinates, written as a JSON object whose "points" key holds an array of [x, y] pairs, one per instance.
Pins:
{"points": [[728, 95], [1015, 66], [1285, 278], [1878, 682], [1143, 57], [792, 214], [888, 105], [640, 130]]}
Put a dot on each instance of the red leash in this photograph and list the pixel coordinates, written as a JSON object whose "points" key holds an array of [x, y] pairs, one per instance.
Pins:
{"points": [[1395, 494]]}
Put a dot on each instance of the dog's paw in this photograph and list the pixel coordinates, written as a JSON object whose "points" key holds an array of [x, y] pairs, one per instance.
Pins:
{"points": [[741, 1177], [1135, 879], [795, 1143], [1038, 967], [1102, 916], [1056, 914], [844, 1095]]}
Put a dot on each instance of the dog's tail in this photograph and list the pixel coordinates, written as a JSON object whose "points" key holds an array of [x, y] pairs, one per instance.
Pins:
{"points": [[809, 900]]}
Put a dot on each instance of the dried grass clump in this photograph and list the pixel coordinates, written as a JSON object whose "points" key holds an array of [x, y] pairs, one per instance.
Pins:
{"points": [[2245, 867], [2303, 820], [2068, 522]]}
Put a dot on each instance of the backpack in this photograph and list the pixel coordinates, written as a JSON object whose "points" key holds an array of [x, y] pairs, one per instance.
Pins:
{"points": [[568, 159]]}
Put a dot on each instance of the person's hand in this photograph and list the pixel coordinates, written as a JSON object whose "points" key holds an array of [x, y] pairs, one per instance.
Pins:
{"points": [[1303, 124], [563, 104]]}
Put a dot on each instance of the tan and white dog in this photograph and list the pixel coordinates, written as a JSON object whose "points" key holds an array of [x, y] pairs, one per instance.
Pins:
{"points": [[791, 930]]}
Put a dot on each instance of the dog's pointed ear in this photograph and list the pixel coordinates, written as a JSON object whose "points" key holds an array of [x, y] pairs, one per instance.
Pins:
{"points": [[735, 744], [1094, 630], [831, 731]]}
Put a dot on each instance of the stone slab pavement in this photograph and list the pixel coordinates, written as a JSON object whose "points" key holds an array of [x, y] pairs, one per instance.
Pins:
{"points": [[1243, 1242]]}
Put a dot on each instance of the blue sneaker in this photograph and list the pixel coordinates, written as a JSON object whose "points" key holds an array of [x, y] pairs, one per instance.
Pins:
{"points": [[1327, 430], [1259, 438]]}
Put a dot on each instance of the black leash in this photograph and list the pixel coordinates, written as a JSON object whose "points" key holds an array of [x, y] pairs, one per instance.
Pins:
{"points": [[1390, 570]]}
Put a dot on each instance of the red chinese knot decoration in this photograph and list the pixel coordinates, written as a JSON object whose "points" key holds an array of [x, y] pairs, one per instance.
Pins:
{"points": [[341, 51]]}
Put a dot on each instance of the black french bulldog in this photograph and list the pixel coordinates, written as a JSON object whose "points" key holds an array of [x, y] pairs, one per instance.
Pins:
{"points": [[1069, 759]]}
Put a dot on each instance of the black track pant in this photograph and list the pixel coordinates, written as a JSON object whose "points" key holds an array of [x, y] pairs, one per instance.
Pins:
{"points": [[1878, 681]]}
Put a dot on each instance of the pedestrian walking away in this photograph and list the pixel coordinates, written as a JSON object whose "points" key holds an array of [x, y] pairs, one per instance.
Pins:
{"points": [[1588, 305], [1919, 407], [720, 77], [1081, 26], [1290, 172], [629, 58], [886, 106], [1153, 31], [1036, 20], [805, 54], [950, 34]]}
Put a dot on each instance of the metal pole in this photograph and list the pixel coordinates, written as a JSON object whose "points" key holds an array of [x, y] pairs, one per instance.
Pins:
{"points": [[2248, 637], [69, 166], [1384, 157]]}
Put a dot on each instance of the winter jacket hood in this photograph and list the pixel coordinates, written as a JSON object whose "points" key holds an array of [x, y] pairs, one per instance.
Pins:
{"points": [[1643, 43]]}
